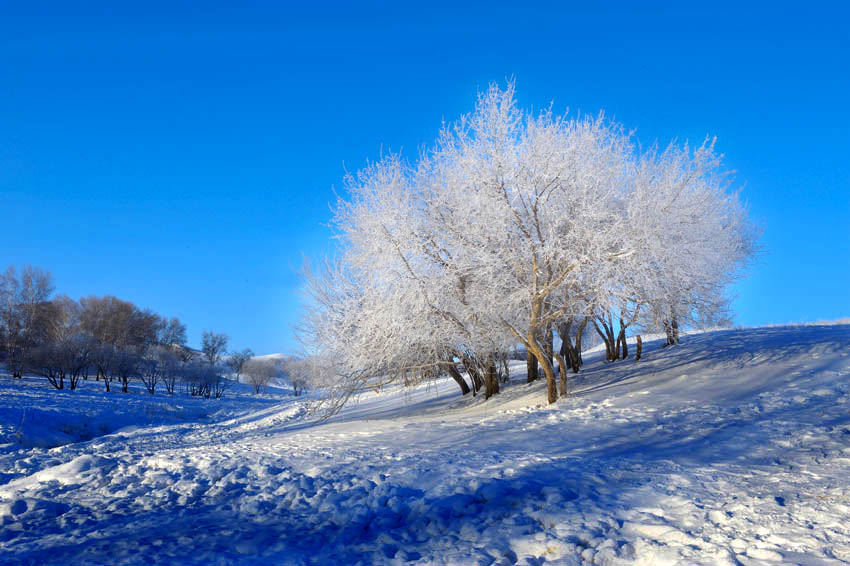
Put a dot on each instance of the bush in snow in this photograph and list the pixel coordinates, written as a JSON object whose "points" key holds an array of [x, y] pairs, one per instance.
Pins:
{"points": [[204, 380]]}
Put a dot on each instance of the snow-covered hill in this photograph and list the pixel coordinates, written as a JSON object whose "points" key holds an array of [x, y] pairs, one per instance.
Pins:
{"points": [[733, 448]]}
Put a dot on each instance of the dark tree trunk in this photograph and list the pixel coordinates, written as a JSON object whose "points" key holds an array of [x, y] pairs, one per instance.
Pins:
{"points": [[474, 374], [639, 348], [533, 368], [567, 352], [491, 379], [579, 334], [506, 368], [609, 330], [475, 377], [622, 339], [452, 371], [675, 328]]}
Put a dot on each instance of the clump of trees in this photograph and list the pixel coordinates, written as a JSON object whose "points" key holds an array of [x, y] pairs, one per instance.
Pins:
{"points": [[260, 372], [109, 339], [511, 229], [23, 316]]}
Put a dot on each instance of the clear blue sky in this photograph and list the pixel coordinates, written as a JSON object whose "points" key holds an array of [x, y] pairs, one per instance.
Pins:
{"points": [[183, 156]]}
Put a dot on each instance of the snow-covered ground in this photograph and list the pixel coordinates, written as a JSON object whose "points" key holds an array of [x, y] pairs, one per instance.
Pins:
{"points": [[732, 448]]}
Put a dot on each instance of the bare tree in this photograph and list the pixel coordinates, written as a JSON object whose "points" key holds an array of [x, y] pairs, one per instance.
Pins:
{"points": [[169, 367], [63, 359], [172, 332], [299, 373], [151, 368], [213, 345], [204, 380], [160, 364], [46, 361], [103, 358], [126, 366], [237, 361], [22, 300], [260, 373]]}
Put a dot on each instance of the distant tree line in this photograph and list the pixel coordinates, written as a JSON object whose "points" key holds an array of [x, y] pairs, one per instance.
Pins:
{"points": [[107, 339]]}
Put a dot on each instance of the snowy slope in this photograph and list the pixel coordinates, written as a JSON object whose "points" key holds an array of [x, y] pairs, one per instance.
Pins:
{"points": [[733, 448]]}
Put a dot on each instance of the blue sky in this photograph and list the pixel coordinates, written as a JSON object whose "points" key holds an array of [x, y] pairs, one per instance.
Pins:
{"points": [[184, 156]]}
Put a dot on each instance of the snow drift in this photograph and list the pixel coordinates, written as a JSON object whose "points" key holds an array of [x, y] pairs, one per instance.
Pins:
{"points": [[732, 448]]}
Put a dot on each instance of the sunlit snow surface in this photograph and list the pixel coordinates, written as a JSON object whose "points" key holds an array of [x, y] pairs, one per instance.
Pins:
{"points": [[732, 448]]}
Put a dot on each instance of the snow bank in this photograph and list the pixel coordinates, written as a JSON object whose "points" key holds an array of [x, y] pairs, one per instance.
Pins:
{"points": [[35, 415], [732, 448]]}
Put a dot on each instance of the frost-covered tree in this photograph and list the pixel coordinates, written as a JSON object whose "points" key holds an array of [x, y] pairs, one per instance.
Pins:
{"points": [[693, 238], [260, 373], [511, 227], [298, 372]]}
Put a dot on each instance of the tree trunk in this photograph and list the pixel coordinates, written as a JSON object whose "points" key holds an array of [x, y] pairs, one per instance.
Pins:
{"points": [[562, 367], [609, 330], [579, 334], [549, 343], [639, 348], [622, 339], [567, 352], [675, 328], [491, 380], [452, 371], [533, 368], [548, 370], [606, 338], [474, 375]]}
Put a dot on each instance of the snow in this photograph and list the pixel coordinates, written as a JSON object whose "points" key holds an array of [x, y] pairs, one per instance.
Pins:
{"points": [[732, 448]]}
